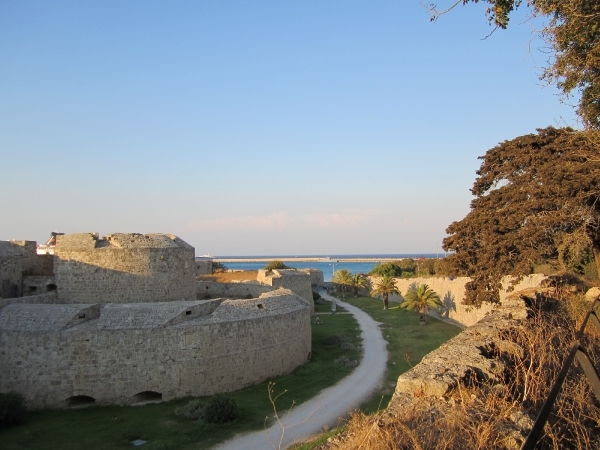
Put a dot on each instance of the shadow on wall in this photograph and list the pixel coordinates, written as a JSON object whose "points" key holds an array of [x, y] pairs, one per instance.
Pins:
{"points": [[147, 280]]}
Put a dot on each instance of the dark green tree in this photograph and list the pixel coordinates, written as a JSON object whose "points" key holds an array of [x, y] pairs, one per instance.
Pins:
{"points": [[536, 196], [389, 269], [572, 31], [275, 265]]}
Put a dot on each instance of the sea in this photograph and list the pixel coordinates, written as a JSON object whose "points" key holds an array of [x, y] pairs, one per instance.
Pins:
{"points": [[328, 267]]}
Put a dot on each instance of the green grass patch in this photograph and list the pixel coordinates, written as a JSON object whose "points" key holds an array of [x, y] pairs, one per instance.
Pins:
{"points": [[408, 342], [114, 427]]}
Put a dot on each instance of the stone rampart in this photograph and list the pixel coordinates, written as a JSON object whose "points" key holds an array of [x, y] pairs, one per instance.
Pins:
{"points": [[124, 268], [48, 299], [230, 290], [36, 285], [125, 353], [316, 278], [292, 279], [203, 267], [19, 258], [452, 293]]}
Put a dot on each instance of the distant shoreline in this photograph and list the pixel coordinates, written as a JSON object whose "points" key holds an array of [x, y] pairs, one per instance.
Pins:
{"points": [[313, 259]]}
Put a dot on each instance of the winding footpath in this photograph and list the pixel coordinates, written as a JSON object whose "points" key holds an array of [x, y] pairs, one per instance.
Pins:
{"points": [[331, 404]]}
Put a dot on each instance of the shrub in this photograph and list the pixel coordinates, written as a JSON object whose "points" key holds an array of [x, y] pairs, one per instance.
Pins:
{"points": [[218, 267], [347, 346], [344, 361], [316, 295], [194, 410], [275, 265], [12, 409], [220, 409]]}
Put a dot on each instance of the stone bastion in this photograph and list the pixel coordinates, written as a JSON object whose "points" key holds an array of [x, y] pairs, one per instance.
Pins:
{"points": [[123, 326]]}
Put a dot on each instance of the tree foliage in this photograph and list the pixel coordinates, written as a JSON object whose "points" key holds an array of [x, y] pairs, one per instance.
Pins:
{"points": [[536, 197], [276, 265], [572, 31], [342, 278], [420, 298], [385, 286], [358, 282], [389, 269]]}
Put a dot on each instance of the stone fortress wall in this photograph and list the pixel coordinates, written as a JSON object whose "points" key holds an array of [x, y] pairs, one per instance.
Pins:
{"points": [[19, 258], [452, 293], [124, 268], [120, 346], [298, 281], [120, 353]]}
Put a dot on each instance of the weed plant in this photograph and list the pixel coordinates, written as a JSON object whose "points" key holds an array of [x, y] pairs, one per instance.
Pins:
{"points": [[482, 415]]}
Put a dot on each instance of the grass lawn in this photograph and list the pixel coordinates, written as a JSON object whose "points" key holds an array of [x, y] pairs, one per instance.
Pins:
{"points": [[114, 427], [407, 341]]}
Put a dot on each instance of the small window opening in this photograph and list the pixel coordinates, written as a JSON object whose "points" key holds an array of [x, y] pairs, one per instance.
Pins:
{"points": [[188, 313], [147, 397], [51, 287], [32, 288], [78, 401], [260, 306], [82, 316], [206, 287]]}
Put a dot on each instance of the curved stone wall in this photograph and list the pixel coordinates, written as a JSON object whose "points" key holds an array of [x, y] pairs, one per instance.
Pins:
{"points": [[53, 354], [124, 268]]}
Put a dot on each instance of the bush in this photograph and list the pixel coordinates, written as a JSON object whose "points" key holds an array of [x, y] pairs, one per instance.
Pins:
{"points": [[347, 346], [316, 296], [220, 409], [344, 361], [194, 410], [12, 409], [276, 264], [218, 267]]}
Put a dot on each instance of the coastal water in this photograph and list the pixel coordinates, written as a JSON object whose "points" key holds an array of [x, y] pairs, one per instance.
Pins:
{"points": [[328, 267]]}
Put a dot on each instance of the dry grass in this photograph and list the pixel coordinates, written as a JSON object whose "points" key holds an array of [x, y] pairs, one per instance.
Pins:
{"points": [[227, 277], [478, 415]]}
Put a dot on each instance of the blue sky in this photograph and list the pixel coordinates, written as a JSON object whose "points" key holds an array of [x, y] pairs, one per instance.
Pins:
{"points": [[257, 127]]}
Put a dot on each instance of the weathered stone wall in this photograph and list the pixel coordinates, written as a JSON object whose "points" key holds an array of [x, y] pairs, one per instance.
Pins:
{"points": [[48, 299], [36, 285], [18, 258], [124, 268], [204, 267], [11, 269], [294, 280], [316, 277], [51, 353], [230, 290], [452, 293], [429, 384]]}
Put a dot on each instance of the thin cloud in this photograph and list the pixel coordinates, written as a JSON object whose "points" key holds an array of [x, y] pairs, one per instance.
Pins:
{"points": [[275, 220], [343, 219]]}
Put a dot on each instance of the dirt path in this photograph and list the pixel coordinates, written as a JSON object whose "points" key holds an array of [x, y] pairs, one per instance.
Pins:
{"points": [[333, 403]]}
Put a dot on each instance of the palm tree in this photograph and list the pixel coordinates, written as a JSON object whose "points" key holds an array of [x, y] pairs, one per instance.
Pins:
{"points": [[421, 298], [358, 282], [385, 286], [342, 278]]}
